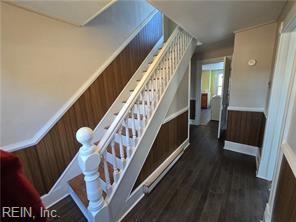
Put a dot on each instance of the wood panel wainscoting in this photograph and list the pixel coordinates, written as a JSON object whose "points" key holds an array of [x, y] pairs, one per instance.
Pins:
{"points": [[192, 109], [246, 127], [170, 136], [285, 199], [45, 162]]}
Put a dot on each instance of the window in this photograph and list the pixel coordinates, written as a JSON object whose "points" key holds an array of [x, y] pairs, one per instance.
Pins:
{"points": [[220, 84]]}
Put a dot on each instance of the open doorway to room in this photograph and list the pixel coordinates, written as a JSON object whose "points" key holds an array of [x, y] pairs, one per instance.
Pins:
{"points": [[213, 93]]}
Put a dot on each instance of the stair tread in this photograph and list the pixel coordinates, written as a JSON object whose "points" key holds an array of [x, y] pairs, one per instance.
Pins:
{"points": [[140, 102], [138, 80], [131, 114]]}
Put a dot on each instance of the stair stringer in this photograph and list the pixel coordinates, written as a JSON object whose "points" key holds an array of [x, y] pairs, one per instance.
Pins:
{"points": [[122, 199]]}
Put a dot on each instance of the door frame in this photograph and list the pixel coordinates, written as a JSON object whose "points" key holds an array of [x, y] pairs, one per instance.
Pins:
{"points": [[278, 106], [196, 85], [224, 104], [287, 28]]}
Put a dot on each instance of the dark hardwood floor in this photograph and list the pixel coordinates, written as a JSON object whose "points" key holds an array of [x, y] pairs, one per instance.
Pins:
{"points": [[67, 211], [206, 184]]}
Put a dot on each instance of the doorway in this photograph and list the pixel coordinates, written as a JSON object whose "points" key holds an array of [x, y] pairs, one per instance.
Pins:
{"points": [[211, 91], [212, 86]]}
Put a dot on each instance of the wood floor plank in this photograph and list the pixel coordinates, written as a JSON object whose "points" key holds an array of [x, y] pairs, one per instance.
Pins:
{"points": [[206, 184]]}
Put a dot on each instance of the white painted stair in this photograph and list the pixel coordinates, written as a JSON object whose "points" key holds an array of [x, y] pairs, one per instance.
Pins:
{"points": [[112, 155]]}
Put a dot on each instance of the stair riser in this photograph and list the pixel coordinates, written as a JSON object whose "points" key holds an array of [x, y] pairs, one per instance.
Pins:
{"points": [[141, 108], [147, 94], [139, 124], [125, 141], [110, 159]]}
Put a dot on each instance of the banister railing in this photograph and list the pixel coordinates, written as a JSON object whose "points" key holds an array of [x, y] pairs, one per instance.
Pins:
{"points": [[130, 123]]}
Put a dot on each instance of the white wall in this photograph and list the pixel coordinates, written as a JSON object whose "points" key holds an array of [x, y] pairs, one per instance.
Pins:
{"points": [[291, 139], [181, 98], [46, 61], [249, 84]]}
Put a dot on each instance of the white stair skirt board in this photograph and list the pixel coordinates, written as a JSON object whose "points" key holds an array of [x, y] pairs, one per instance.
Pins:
{"points": [[244, 149], [149, 184]]}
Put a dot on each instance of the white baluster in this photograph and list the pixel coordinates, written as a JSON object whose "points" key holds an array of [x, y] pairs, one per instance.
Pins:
{"points": [[144, 99], [153, 90], [162, 78], [149, 111], [138, 111], [174, 55], [178, 46], [122, 157], [167, 68], [181, 43], [107, 175], [115, 166], [156, 88], [171, 63], [184, 42], [129, 148], [89, 162], [133, 126]]}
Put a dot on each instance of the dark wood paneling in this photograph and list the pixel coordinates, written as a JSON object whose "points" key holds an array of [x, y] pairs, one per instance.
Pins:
{"points": [[285, 199], [171, 135], [245, 127], [192, 109], [45, 162]]}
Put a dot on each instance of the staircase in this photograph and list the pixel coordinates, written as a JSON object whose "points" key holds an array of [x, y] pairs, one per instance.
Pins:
{"points": [[111, 156]]}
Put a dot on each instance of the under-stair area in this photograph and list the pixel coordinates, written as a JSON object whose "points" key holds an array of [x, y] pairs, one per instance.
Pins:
{"points": [[206, 184]]}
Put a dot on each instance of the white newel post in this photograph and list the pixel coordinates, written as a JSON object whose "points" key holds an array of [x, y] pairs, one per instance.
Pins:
{"points": [[89, 162]]}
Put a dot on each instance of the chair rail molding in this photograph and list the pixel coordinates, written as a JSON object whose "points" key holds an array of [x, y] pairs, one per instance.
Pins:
{"points": [[247, 109], [175, 114], [58, 115]]}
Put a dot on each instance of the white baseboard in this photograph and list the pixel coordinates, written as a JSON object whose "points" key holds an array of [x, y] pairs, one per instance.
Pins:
{"points": [[150, 183], [241, 148], [267, 214], [54, 197], [244, 149]]}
